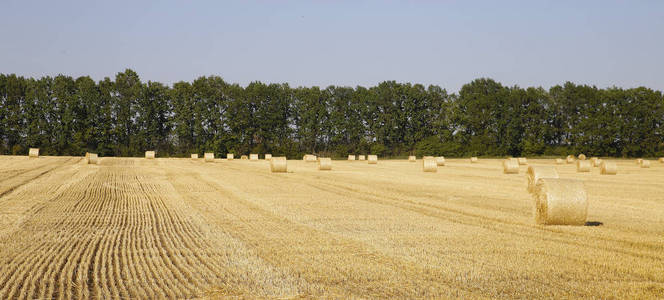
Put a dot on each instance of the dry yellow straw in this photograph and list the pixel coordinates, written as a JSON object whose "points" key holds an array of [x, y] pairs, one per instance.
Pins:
{"points": [[570, 159], [559, 161], [429, 164], [645, 163], [361, 157], [244, 157], [639, 160], [440, 160], [560, 202], [372, 159], [268, 156], [93, 159], [593, 161], [412, 158], [149, 154], [608, 168], [473, 160], [324, 164], [522, 161], [194, 156], [278, 164], [229, 156], [661, 160], [582, 166], [510, 166], [33, 152], [536, 173], [208, 156], [351, 157], [253, 157], [582, 156]]}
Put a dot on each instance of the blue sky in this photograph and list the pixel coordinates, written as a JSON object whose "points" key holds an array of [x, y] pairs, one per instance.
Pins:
{"points": [[447, 43]]}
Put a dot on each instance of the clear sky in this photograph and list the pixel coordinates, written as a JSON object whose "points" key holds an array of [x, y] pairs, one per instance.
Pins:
{"points": [[447, 43]]}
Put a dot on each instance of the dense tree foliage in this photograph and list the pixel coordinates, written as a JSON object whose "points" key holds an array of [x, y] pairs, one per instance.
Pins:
{"points": [[125, 117]]}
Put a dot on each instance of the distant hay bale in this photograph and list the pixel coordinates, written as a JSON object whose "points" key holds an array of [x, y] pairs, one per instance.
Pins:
{"points": [[645, 163], [593, 161], [440, 161], [536, 173], [372, 159], [268, 156], [661, 160], [310, 158], [361, 157], [570, 159], [473, 160], [149, 154], [194, 156], [93, 159], [639, 160], [244, 157], [510, 166], [87, 157], [522, 161], [253, 157], [608, 168], [429, 164], [560, 202], [559, 161], [229, 156], [582, 166], [208, 156], [324, 164], [412, 158], [351, 157], [278, 164], [582, 156], [33, 153]]}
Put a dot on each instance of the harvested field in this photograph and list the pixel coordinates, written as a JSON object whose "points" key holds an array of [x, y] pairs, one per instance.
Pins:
{"points": [[179, 228]]}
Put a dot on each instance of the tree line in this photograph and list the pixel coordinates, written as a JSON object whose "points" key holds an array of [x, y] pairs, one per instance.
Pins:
{"points": [[124, 117]]}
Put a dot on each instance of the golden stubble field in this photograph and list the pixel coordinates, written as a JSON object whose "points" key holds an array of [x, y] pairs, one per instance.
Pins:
{"points": [[178, 228]]}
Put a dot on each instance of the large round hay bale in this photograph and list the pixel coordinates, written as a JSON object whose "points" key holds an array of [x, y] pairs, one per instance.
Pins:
{"points": [[253, 157], [412, 158], [149, 154], [351, 157], [582, 156], [510, 166], [429, 164], [229, 156], [361, 157], [244, 157], [473, 160], [268, 156], [33, 153], [194, 156], [522, 161], [372, 159], [608, 168], [582, 166], [278, 164], [570, 159], [559, 161], [560, 202], [208, 156], [324, 164], [440, 161], [93, 159], [536, 173], [645, 163]]}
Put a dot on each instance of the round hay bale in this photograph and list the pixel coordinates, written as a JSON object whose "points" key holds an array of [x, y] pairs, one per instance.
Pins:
{"points": [[229, 156], [361, 157], [33, 153], [93, 159], [593, 161], [661, 160], [278, 164], [582, 166], [351, 157], [440, 161], [372, 159], [310, 158], [510, 166], [645, 163], [208, 156], [570, 159], [536, 173], [324, 164], [268, 156], [412, 158], [253, 157], [149, 154], [639, 160], [560, 202], [608, 168], [87, 157], [582, 156], [244, 157], [429, 164], [559, 161], [522, 161], [194, 156], [473, 160]]}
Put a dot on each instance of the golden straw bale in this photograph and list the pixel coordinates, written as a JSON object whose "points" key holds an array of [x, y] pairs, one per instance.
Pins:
{"points": [[351, 157], [208, 156], [536, 173], [372, 159], [429, 164], [361, 157], [194, 156], [661, 160], [93, 159], [244, 157], [570, 159], [559, 161], [268, 156], [582, 156], [639, 160], [310, 158], [33, 153], [593, 161], [473, 160], [412, 158], [278, 164], [440, 160], [522, 161], [582, 166], [560, 202], [324, 164], [253, 157], [229, 156], [149, 154], [510, 166], [645, 163], [608, 168]]}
